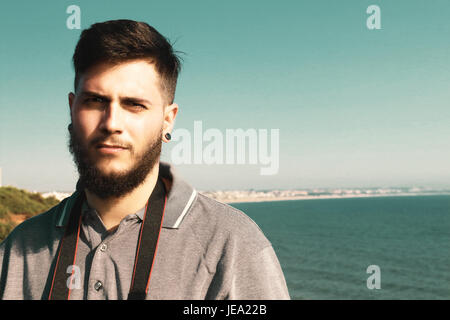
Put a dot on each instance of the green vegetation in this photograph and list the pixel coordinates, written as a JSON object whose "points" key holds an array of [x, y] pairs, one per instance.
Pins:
{"points": [[17, 205], [5, 228]]}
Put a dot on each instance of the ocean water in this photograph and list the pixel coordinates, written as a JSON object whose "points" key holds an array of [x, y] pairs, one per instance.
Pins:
{"points": [[326, 245]]}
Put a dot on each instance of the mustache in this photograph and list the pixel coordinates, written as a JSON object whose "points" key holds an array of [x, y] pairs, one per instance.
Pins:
{"points": [[96, 141], [111, 141]]}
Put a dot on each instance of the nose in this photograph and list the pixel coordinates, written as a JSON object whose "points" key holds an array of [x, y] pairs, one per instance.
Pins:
{"points": [[112, 118]]}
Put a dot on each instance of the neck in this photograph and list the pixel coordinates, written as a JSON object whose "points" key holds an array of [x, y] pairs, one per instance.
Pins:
{"points": [[113, 210]]}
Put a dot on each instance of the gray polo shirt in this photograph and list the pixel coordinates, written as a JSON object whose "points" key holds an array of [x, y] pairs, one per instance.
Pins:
{"points": [[206, 250]]}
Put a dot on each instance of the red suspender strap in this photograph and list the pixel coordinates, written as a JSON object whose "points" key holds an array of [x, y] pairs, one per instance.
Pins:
{"points": [[145, 252]]}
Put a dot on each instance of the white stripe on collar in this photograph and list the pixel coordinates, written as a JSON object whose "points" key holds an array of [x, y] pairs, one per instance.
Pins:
{"points": [[185, 210], [67, 207], [69, 203]]}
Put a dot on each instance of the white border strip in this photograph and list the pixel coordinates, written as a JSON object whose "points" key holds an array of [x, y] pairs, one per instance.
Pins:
{"points": [[63, 215], [185, 210]]}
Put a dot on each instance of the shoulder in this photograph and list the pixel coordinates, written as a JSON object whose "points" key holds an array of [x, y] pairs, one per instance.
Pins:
{"points": [[236, 251], [218, 223], [35, 232]]}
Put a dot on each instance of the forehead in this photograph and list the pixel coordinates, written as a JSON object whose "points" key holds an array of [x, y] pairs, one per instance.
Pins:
{"points": [[137, 78]]}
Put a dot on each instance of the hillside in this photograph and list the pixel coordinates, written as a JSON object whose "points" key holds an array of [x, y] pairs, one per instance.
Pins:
{"points": [[17, 205]]}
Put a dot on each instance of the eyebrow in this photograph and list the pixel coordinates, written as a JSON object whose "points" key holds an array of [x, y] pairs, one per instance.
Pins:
{"points": [[122, 99]]}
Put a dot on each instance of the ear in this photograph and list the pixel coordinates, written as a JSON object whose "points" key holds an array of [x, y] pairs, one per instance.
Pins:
{"points": [[71, 100], [170, 113]]}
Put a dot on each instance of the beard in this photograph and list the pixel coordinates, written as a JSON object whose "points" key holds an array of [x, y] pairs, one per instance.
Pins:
{"points": [[117, 184]]}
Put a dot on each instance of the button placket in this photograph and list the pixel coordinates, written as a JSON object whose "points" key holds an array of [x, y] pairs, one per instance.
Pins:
{"points": [[103, 247], [98, 286], [96, 276], [113, 235]]}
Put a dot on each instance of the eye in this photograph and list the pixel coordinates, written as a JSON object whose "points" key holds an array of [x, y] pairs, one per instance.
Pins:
{"points": [[94, 100], [135, 105]]}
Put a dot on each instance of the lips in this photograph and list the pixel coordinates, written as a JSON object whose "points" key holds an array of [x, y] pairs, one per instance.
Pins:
{"points": [[114, 146], [110, 148]]}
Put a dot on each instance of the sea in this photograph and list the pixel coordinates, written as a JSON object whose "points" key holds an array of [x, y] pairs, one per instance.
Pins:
{"points": [[372, 248]]}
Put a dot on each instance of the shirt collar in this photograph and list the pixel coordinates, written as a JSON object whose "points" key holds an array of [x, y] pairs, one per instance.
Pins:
{"points": [[180, 198]]}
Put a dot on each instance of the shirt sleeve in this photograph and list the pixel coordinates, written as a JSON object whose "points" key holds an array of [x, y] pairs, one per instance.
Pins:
{"points": [[3, 267], [259, 277]]}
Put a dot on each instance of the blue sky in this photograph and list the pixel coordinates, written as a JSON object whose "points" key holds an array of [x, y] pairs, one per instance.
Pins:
{"points": [[355, 107]]}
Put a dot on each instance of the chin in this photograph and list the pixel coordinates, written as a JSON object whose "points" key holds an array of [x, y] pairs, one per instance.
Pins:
{"points": [[110, 170]]}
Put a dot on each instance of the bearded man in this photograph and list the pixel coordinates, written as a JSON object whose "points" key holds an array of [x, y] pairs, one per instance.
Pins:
{"points": [[133, 229]]}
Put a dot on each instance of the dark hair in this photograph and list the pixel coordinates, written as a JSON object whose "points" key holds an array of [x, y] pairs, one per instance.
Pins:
{"points": [[118, 41]]}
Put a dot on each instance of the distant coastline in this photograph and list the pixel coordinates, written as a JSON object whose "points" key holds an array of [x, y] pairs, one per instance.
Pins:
{"points": [[243, 200], [310, 194], [237, 196]]}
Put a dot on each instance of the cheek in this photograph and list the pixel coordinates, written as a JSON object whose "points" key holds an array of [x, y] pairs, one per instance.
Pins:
{"points": [[85, 123], [147, 130]]}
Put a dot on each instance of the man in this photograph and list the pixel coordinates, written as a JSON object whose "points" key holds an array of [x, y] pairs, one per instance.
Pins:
{"points": [[133, 229]]}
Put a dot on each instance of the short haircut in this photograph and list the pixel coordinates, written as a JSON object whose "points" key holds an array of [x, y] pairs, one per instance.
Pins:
{"points": [[118, 41]]}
